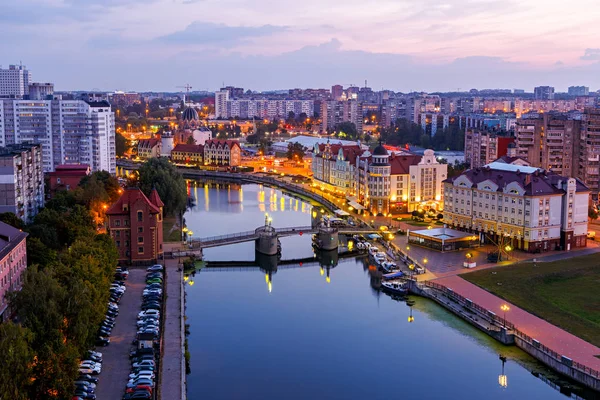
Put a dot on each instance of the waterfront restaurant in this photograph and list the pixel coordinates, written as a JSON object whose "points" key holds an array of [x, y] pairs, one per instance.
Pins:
{"points": [[443, 239]]}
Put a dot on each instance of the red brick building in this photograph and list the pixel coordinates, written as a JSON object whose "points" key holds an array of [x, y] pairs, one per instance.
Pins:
{"points": [[135, 222], [67, 176]]}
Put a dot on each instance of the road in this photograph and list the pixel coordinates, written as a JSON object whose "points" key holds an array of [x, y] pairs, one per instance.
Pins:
{"points": [[116, 364]]}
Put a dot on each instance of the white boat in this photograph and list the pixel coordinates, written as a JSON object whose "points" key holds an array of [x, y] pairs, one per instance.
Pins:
{"points": [[394, 287], [373, 250], [389, 266]]}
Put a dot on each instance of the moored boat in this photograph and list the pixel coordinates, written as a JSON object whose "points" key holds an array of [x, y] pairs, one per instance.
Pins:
{"points": [[395, 287]]}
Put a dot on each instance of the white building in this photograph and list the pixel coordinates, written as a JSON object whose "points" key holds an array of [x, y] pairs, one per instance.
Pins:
{"points": [[40, 91], [14, 81], [69, 131], [523, 207], [221, 99]]}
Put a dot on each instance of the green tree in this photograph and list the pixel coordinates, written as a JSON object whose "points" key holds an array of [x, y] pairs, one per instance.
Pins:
{"points": [[295, 151], [38, 253], [12, 220], [593, 213], [121, 145], [190, 140], [347, 129], [159, 173], [16, 361]]}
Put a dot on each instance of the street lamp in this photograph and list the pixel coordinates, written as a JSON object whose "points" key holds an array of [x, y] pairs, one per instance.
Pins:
{"points": [[505, 308]]}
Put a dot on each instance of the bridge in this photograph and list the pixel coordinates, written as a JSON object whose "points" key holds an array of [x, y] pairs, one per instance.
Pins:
{"points": [[269, 232]]}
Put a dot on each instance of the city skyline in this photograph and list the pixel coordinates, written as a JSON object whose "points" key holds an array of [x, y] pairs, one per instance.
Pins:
{"points": [[398, 45]]}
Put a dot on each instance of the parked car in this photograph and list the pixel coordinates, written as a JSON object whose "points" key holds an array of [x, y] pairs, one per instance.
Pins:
{"points": [[87, 378], [84, 395], [155, 267], [102, 341], [88, 371], [142, 314]]}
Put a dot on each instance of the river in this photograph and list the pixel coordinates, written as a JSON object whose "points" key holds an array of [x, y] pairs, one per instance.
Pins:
{"points": [[314, 333]]}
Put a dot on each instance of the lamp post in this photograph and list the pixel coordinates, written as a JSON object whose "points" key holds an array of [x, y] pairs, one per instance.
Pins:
{"points": [[505, 308]]}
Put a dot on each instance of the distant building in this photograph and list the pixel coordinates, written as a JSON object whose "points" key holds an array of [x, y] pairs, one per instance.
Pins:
{"points": [[222, 153], [135, 223], [221, 98], [336, 92], [125, 99], [543, 93], [41, 91], [589, 151], [188, 154], [201, 135], [14, 81], [67, 176], [21, 180], [519, 91], [482, 146], [149, 148], [13, 262], [335, 112], [579, 91], [233, 91], [526, 208]]}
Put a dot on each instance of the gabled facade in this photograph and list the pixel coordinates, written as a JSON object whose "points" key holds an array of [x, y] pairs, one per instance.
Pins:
{"points": [[149, 148], [135, 224], [222, 153], [188, 154], [67, 176], [535, 210]]}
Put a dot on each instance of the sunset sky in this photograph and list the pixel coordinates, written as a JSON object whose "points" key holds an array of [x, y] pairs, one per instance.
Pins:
{"points": [[273, 44]]}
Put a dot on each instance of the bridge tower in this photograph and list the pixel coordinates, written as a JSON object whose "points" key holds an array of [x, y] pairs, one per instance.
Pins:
{"points": [[326, 237], [267, 242]]}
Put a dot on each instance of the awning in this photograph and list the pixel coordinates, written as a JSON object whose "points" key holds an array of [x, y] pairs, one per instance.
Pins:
{"points": [[341, 213], [356, 205], [393, 275], [373, 236]]}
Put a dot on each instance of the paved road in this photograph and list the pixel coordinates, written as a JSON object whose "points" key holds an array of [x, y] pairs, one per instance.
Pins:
{"points": [[551, 336], [116, 364], [172, 365]]}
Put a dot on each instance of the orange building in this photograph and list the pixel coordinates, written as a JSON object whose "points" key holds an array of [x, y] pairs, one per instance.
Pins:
{"points": [[135, 224]]}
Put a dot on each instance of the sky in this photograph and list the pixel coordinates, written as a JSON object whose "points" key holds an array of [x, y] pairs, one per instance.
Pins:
{"points": [[403, 45]]}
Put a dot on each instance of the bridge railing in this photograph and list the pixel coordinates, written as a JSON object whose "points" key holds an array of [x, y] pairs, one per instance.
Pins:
{"points": [[223, 237]]}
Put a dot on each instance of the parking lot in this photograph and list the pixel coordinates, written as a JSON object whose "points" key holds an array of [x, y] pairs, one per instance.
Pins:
{"points": [[116, 364]]}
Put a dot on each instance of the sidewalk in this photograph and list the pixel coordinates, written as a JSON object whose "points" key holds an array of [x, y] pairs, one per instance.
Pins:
{"points": [[549, 335]]}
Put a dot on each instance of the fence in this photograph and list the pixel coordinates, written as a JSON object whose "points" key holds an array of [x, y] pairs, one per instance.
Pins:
{"points": [[521, 335]]}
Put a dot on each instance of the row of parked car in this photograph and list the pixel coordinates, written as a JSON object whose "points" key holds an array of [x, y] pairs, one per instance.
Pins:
{"points": [[91, 366], [144, 360]]}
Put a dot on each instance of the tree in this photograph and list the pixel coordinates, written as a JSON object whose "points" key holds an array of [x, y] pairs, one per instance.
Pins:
{"points": [[121, 145], [347, 129], [190, 140], [295, 151], [16, 361], [593, 213], [12, 220], [159, 173], [367, 139]]}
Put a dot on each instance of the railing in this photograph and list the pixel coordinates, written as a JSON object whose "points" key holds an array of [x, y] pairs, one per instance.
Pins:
{"points": [[223, 237], [521, 335]]}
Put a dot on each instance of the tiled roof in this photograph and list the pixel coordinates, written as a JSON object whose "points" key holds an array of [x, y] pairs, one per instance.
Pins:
{"points": [[537, 183], [155, 198], [351, 152], [149, 143], [189, 148], [9, 238], [401, 163], [71, 170], [221, 142], [129, 197]]}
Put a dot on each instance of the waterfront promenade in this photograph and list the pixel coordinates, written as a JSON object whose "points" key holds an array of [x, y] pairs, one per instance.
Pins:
{"points": [[550, 335], [172, 377]]}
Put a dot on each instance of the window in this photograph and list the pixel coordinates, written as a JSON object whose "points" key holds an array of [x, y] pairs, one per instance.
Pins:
{"points": [[141, 229], [58, 180], [118, 222], [127, 243], [140, 216], [118, 243], [140, 249], [140, 239], [118, 234]]}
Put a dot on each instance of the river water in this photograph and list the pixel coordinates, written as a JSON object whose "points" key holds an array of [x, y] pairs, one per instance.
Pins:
{"points": [[317, 333]]}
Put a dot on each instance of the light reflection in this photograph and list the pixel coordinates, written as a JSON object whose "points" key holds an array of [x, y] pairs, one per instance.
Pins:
{"points": [[206, 198]]}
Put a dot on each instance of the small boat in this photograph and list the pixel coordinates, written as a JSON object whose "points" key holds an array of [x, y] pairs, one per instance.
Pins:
{"points": [[373, 250], [389, 266], [394, 287]]}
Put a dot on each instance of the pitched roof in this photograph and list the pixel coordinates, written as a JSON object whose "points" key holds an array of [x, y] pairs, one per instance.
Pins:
{"points": [[351, 152], [71, 170], [149, 143], [536, 183], [155, 198], [10, 237], [401, 163], [130, 196], [222, 142], [189, 148]]}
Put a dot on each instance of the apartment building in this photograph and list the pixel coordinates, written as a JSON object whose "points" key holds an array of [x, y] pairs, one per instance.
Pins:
{"points": [[14, 81], [483, 146], [21, 180], [222, 153], [221, 99], [589, 151], [333, 166], [269, 109], [525, 207], [68, 131], [543, 92], [335, 112], [13, 262]]}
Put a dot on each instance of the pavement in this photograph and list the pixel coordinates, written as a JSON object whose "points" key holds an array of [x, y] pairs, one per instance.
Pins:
{"points": [[115, 357], [549, 335], [172, 377]]}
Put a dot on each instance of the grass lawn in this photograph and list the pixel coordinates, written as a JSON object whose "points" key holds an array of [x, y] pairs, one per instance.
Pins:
{"points": [[168, 236], [565, 293]]}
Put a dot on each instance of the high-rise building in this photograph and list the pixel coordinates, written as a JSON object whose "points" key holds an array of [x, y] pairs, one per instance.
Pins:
{"points": [[14, 81], [41, 91], [589, 151], [21, 180], [335, 112], [482, 146], [543, 92], [69, 131], [579, 91], [336, 92], [221, 98]]}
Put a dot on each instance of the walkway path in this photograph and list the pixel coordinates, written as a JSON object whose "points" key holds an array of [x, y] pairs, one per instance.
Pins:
{"points": [[115, 356], [172, 380], [549, 335]]}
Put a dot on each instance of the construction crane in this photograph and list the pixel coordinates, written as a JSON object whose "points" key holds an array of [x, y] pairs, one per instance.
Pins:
{"points": [[187, 88]]}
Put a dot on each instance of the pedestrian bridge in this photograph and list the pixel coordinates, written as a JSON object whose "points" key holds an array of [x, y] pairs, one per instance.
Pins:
{"points": [[248, 236]]}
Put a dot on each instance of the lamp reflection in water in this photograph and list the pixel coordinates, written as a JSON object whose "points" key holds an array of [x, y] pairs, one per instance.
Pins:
{"points": [[502, 378], [410, 304]]}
